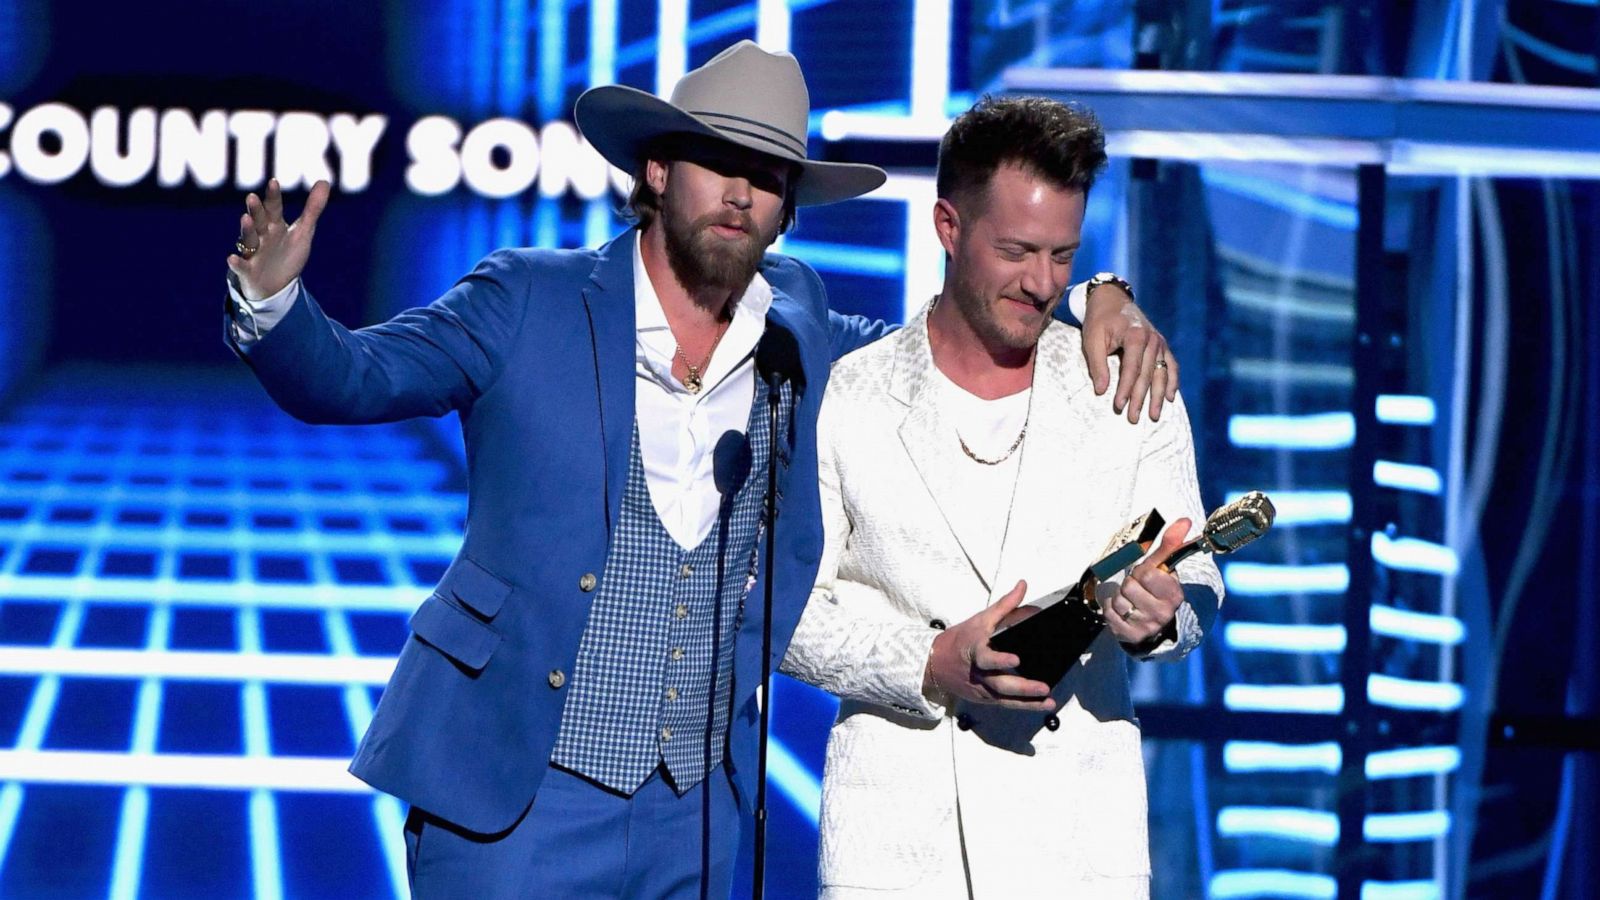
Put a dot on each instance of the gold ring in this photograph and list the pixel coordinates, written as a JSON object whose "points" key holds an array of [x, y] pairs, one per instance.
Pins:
{"points": [[244, 251]]}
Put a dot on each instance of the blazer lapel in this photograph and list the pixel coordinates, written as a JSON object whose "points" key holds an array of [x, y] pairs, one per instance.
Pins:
{"points": [[609, 301], [930, 440]]}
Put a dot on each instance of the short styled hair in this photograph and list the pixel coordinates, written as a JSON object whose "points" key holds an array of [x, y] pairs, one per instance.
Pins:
{"points": [[1060, 142], [644, 204]]}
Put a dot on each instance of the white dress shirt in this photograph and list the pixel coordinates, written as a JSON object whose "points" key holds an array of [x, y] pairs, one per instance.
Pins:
{"points": [[678, 431]]}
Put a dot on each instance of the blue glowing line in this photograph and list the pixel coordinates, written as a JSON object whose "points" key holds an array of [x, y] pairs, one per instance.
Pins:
{"points": [[848, 258], [10, 807], [265, 857], [602, 42], [513, 33], [1414, 626], [1406, 693], [1272, 638], [1557, 56], [790, 775], [1287, 822], [1406, 409], [1396, 827], [1257, 579], [390, 822], [1319, 431], [1399, 890], [552, 60], [1307, 507], [1307, 698], [597, 223], [1265, 190], [133, 823], [1263, 756], [1407, 477], [1243, 883], [1412, 761], [1414, 555]]}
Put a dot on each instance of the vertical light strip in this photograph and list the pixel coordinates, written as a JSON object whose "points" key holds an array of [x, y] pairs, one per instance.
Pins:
{"points": [[265, 857], [552, 57], [930, 59], [387, 819], [924, 275], [772, 25], [672, 44], [132, 825], [513, 88], [602, 42]]}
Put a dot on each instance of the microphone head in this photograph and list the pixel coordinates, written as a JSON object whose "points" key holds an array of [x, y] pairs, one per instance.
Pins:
{"points": [[730, 462], [1240, 522]]}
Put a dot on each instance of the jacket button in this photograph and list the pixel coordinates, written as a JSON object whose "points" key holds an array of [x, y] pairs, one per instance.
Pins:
{"points": [[964, 722], [587, 582], [937, 624], [1052, 723], [557, 678]]}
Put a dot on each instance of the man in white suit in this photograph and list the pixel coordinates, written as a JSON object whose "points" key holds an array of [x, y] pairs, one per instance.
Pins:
{"points": [[959, 457]]}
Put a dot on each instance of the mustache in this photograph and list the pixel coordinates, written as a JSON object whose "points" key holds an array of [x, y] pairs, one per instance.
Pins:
{"points": [[739, 220]]}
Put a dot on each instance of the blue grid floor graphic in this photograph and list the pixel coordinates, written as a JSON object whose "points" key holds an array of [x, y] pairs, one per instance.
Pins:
{"points": [[200, 602]]}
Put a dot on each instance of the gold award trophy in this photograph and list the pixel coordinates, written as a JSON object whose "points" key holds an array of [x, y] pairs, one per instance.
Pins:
{"points": [[1049, 637]]}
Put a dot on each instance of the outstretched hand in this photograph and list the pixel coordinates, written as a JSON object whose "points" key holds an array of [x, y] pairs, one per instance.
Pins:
{"points": [[271, 252], [1113, 324], [961, 664]]}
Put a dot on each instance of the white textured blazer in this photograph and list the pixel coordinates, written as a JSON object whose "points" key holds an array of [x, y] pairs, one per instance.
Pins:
{"points": [[1046, 812]]}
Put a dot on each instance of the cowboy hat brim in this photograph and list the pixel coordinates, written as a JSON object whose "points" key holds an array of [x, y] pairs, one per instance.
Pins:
{"points": [[620, 122]]}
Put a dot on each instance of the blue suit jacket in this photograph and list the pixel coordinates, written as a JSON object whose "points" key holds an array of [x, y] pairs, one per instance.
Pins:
{"points": [[535, 350]]}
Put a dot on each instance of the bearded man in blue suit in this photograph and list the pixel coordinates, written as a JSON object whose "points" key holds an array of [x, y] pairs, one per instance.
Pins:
{"points": [[576, 712]]}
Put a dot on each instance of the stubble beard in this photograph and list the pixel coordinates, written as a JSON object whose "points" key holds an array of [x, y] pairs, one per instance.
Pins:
{"points": [[703, 261], [981, 316]]}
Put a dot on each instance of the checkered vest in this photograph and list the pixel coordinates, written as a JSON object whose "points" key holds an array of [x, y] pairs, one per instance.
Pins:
{"points": [[654, 675]]}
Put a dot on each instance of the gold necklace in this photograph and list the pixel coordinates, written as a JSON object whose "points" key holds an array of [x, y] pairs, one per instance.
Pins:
{"points": [[692, 382], [1005, 456], [964, 448]]}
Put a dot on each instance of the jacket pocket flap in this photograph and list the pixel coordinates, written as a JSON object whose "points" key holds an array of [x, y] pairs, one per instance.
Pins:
{"points": [[455, 632], [475, 587]]}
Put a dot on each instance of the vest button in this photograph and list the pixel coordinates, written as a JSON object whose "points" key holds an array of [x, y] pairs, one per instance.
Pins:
{"points": [[1052, 723], [685, 570], [672, 693], [937, 624], [666, 734], [677, 653], [557, 678], [964, 722], [680, 611], [586, 582]]}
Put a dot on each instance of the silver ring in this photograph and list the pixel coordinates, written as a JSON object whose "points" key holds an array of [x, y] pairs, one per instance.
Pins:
{"points": [[244, 251], [1128, 616], [1161, 363]]}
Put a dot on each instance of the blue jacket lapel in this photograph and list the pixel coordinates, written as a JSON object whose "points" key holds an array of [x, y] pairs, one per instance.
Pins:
{"points": [[609, 301]]}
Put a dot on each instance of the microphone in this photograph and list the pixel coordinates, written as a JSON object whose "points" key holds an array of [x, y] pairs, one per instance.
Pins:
{"points": [[730, 462], [778, 358]]}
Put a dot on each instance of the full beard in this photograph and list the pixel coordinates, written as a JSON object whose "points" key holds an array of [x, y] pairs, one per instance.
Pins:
{"points": [[704, 261]]}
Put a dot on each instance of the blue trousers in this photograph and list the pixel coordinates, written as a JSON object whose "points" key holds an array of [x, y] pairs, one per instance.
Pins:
{"points": [[580, 840]]}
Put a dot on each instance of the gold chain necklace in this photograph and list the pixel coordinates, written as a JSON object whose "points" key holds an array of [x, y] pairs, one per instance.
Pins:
{"points": [[1003, 457], [968, 450], [692, 382]]}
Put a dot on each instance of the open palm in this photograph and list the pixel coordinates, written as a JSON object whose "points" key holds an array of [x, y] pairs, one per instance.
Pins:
{"points": [[272, 252]]}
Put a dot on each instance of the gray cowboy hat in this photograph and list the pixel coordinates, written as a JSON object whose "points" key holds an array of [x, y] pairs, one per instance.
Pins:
{"points": [[745, 96]]}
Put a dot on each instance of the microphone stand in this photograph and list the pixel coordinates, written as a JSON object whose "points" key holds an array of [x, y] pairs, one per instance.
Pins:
{"points": [[758, 889]]}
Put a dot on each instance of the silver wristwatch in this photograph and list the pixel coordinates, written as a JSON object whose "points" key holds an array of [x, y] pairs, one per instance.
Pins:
{"points": [[1101, 278]]}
